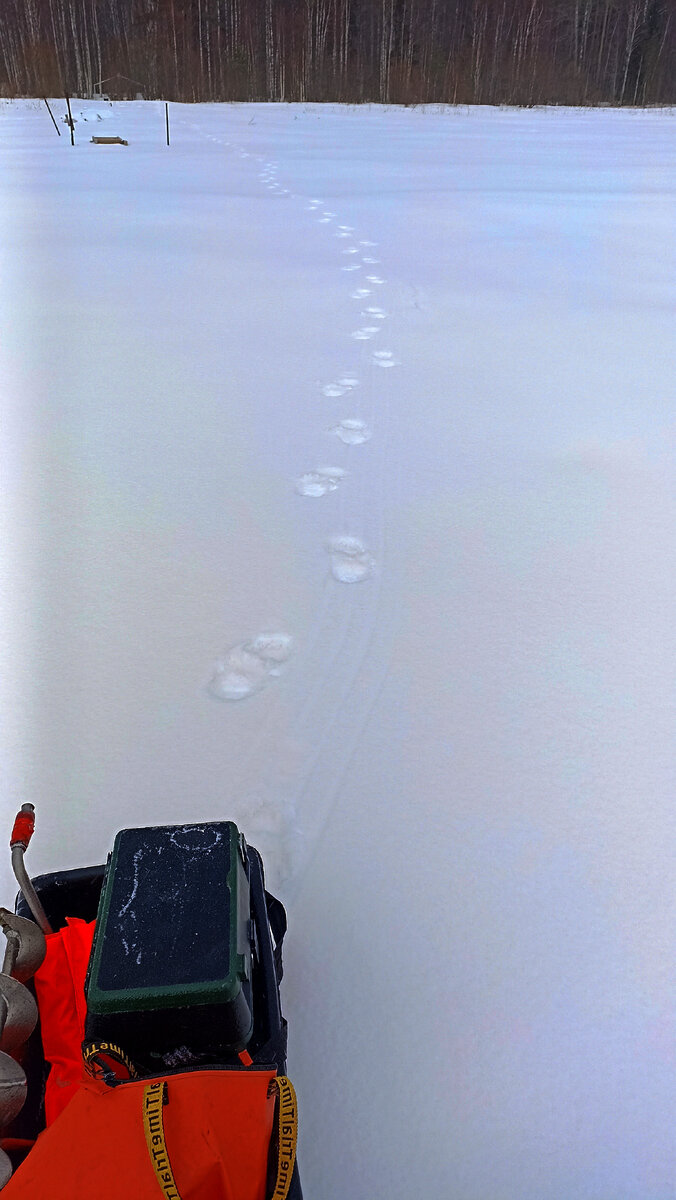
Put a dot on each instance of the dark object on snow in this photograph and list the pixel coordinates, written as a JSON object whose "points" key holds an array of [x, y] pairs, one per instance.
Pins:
{"points": [[70, 122], [258, 918], [109, 141], [52, 116], [171, 963]]}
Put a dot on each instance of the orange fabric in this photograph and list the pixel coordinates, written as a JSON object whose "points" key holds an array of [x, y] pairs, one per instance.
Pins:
{"points": [[59, 985], [217, 1125]]}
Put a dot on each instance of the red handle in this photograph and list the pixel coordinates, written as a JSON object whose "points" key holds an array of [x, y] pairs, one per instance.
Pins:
{"points": [[22, 832]]}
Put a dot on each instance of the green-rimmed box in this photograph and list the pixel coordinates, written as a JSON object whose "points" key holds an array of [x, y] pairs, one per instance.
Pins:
{"points": [[170, 970]]}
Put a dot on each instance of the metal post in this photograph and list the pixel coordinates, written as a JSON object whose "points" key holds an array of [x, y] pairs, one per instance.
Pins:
{"points": [[166, 109], [52, 116], [70, 122]]}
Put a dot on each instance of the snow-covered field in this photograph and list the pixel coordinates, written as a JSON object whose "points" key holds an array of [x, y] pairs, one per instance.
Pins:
{"points": [[338, 460]]}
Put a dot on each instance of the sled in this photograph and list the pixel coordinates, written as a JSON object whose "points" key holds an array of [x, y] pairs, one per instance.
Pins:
{"points": [[157, 1060]]}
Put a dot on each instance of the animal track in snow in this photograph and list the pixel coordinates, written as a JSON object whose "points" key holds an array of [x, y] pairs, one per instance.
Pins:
{"points": [[374, 279], [245, 669], [360, 293], [324, 221], [334, 389], [365, 242], [385, 358], [269, 822], [319, 482], [351, 562], [376, 314], [347, 228], [365, 333], [272, 648], [352, 431], [349, 250], [370, 261], [352, 267], [348, 381]]}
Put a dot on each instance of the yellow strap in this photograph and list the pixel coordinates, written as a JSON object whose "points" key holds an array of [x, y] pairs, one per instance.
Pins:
{"points": [[154, 1099], [287, 1131]]}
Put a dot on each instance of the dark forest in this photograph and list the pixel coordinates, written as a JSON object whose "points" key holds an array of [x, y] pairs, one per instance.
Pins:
{"points": [[522, 52]]}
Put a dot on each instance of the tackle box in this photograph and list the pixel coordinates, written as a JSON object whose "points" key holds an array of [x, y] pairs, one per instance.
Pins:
{"points": [[170, 972]]}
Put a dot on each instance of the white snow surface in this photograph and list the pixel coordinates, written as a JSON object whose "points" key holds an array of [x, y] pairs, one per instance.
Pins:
{"points": [[458, 761]]}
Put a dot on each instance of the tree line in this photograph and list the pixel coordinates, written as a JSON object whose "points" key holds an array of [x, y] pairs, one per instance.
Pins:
{"points": [[389, 51]]}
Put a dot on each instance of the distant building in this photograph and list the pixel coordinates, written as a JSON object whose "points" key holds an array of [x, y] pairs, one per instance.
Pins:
{"points": [[118, 87]]}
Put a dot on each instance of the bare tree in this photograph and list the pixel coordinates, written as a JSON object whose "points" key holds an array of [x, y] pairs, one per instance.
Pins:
{"points": [[392, 51]]}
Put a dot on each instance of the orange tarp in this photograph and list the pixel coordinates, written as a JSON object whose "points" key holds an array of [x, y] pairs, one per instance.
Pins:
{"points": [[217, 1125], [59, 985]]}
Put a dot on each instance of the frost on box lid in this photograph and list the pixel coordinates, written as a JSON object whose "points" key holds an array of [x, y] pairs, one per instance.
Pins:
{"points": [[171, 951]]}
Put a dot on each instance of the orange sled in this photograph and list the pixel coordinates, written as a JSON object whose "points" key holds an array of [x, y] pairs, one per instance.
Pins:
{"points": [[158, 1065]]}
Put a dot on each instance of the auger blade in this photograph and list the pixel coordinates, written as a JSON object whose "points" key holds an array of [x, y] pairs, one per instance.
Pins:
{"points": [[32, 947], [12, 1089], [22, 1014]]}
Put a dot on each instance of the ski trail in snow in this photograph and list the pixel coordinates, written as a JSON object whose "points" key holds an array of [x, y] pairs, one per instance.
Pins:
{"points": [[354, 684], [284, 788], [332, 741], [357, 681]]}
